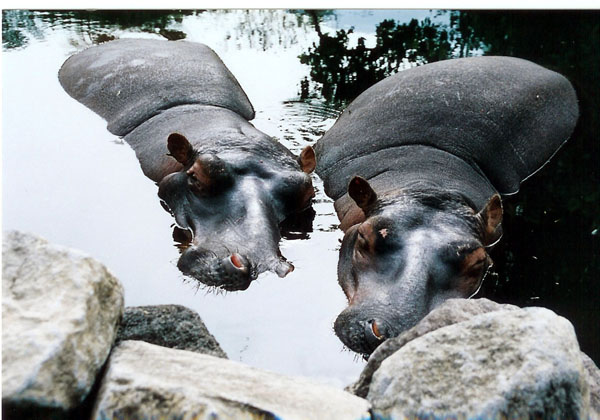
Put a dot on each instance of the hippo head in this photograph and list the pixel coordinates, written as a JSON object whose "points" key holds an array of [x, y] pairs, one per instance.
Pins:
{"points": [[232, 212], [407, 256]]}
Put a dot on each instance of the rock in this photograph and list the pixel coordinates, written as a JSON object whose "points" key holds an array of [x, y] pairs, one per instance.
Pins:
{"points": [[60, 310], [594, 381], [147, 381], [450, 312], [503, 364], [171, 326]]}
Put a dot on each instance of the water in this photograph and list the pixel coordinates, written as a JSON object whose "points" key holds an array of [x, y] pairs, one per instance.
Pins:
{"points": [[69, 180]]}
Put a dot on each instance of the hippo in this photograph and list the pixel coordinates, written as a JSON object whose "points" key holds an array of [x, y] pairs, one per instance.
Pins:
{"points": [[417, 165], [227, 184]]}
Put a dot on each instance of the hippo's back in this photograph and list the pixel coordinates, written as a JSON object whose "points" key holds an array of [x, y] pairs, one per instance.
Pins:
{"points": [[128, 81], [504, 116]]}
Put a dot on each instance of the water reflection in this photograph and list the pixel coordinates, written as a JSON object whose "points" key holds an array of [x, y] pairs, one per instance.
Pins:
{"points": [[14, 25], [19, 26], [343, 71], [255, 29], [309, 119], [265, 29]]}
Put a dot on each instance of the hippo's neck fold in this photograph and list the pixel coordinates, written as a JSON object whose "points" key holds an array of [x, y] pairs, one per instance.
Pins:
{"points": [[424, 168], [211, 129], [414, 169]]}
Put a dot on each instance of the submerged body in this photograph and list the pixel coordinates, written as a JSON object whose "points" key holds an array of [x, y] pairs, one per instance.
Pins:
{"points": [[416, 165], [226, 183]]}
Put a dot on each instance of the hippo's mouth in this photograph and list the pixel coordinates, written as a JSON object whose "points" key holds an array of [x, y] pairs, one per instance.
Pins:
{"points": [[230, 273]]}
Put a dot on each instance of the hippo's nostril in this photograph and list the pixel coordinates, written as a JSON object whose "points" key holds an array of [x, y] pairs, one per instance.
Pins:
{"points": [[375, 333], [236, 260], [236, 264], [283, 268], [375, 330]]}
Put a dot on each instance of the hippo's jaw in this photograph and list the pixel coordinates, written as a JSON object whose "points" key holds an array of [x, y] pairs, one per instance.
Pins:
{"points": [[230, 271], [401, 263]]}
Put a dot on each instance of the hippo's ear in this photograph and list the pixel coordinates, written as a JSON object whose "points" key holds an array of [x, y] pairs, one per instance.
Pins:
{"points": [[307, 160], [361, 192], [180, 148], [491, 217]]}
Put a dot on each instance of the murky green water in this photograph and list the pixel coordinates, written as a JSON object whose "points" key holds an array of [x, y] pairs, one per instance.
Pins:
{"points": [[69, 180]]}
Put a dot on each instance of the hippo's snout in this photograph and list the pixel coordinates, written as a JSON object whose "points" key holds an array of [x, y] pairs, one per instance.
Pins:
{"points": [[283, 268], [360, 332], [232, 272]]}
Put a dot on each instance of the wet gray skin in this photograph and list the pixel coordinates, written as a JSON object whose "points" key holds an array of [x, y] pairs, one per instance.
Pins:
{"points": [[415, 165], [404, 260], [233, 207], [226, 183]]}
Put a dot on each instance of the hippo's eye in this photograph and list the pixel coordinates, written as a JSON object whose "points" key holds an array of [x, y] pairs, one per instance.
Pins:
{"points": [[361, 242], [479, 264], [474, 265], [195, 185]]}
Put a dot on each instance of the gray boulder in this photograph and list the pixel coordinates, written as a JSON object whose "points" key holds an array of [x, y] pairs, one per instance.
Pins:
{"points": [[450, 312], [503, 364], [172, 326], [146, 381], [60, 311], [594, 380]]}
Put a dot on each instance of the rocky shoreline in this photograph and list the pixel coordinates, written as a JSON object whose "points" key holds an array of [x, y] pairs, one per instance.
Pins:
{"points": [[71, 350]]}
